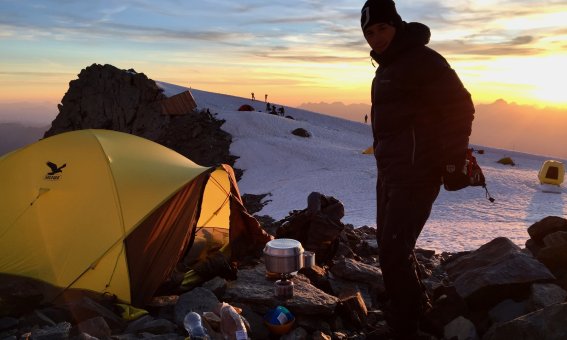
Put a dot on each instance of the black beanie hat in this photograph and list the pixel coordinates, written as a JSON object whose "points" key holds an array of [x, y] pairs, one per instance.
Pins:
{"points": [[379, 11]]}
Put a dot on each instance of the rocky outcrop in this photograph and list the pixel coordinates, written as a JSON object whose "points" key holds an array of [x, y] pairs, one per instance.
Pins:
{"points": [[198, 136], [105, 97]]}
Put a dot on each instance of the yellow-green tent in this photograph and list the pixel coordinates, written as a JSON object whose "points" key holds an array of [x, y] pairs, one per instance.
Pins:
{"points": [[113, 213], [551, 172]]}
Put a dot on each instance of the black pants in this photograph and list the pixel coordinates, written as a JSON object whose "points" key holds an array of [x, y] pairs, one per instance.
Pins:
{"points": [[401, 215]]}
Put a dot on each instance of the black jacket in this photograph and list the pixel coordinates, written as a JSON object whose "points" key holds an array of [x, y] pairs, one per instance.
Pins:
{"points": [[421, 112]]}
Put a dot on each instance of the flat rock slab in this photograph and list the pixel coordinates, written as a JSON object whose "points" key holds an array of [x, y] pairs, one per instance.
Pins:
{"points": [[254, 289], [495, 270]]}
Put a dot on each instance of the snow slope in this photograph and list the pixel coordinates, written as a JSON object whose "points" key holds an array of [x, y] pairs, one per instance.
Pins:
{"points": [[330, 161]]}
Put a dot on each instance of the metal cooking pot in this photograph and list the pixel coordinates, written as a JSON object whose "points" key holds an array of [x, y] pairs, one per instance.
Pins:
{"points": [[283, 255]]}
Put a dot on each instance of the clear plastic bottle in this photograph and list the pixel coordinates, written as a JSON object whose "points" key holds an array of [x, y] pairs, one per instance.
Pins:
{"points": [[194, 327]]}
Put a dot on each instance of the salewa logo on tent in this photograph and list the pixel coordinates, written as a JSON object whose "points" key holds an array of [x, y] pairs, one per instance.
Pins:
{"points": [[52, 175]]}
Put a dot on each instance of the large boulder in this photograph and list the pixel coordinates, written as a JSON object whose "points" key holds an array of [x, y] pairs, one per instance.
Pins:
{"points": [[496, 271], [545, 294], [554, 252], [301, 132], [353, 270], [546, 226], [548, 323]]}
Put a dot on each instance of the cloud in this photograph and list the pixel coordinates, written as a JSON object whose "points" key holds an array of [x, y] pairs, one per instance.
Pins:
{"points": [[308, 57], [489, 29], [246, 24], [86, 32], [521, 45], [34, 73], [522, 40]]}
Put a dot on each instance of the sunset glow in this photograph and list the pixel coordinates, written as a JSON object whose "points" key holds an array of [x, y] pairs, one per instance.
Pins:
{"points": [[539, 81], [295, 52]]}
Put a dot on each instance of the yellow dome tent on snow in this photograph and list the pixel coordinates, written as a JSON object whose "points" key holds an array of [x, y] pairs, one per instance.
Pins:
{"points": [[551, 172], [112, 212]]}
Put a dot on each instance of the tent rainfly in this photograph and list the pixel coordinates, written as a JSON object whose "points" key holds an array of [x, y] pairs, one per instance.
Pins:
{"points": [[111, 212], [246, 107]]}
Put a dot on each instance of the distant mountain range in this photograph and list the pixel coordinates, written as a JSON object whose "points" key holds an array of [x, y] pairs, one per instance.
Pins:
{"points": [[16, 135], [504, 125]]}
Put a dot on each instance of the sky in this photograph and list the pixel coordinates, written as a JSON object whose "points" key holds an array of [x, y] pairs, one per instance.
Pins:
{"points": [[330, 162], [294, 51]]}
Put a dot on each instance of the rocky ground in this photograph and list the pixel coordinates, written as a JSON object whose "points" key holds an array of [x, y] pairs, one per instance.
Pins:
{"points": [[498, 291]]}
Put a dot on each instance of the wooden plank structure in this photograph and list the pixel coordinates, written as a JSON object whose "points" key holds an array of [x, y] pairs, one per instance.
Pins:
{"points": [[179, 104]]}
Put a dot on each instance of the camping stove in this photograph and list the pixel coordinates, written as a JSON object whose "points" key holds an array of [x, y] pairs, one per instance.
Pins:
{"points": [[283, 257], [283, 288]]}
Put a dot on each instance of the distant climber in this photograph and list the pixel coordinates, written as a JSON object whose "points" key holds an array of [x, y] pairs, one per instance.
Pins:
{"points": [[365, 119], [253, 98], [208, 113]]}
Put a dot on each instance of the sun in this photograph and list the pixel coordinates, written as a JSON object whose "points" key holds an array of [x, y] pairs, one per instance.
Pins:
{"points": [[533, 80], [550, 80]]}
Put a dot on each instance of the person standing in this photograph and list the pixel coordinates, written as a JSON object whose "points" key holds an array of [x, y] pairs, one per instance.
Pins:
{"points": [[365, 119], [421, 120], [253, 98]]}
